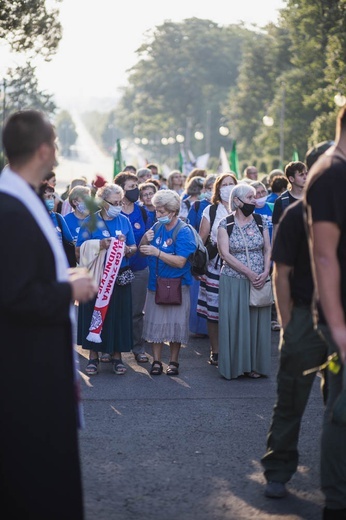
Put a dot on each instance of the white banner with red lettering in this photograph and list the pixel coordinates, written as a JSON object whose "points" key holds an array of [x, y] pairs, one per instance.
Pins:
{"points": [[115, 254]]}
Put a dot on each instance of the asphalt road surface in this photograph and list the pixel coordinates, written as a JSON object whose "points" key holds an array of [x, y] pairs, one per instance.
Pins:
{"points": [[188, 447]]}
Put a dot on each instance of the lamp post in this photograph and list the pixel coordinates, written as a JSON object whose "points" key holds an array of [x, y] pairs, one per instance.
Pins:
{"points": [[269, 122]]}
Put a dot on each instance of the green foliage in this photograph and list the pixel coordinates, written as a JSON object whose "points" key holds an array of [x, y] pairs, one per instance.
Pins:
{"points": [[28, 26]]}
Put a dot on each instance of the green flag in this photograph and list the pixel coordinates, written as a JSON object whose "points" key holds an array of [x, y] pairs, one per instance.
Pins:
{"points": [[181, 162], [295, 156], [233, 159], [118, 161]]}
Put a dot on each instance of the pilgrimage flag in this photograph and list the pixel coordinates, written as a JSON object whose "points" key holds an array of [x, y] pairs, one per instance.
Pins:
{"points": [[233, 159], [118, 161]]}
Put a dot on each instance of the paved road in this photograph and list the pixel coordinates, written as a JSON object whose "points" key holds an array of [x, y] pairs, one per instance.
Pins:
{"points": [[188, 448]]}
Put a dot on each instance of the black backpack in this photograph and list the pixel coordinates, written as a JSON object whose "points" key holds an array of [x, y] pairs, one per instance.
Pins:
{"points": [[200, 258]]}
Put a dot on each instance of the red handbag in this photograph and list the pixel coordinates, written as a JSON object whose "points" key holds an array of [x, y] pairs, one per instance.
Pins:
{"points": [[168, 291]]}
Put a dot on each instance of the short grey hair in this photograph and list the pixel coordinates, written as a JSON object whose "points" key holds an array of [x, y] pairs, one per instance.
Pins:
{"points": [[143, 171], [240, 190], [78, 192], [169, 199], [108, 189], [258, 184]]}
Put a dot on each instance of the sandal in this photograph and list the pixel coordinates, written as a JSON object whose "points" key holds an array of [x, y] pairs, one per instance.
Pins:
{"points": [[92, 367], [213, 358], [156, 368], [105, 358], [252, 374], [172, 369], [118, 367], [141, 358]]}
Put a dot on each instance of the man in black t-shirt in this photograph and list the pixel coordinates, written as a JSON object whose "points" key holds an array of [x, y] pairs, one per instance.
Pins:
{"points": [[325, 198], [301, 348], [296, 172]]}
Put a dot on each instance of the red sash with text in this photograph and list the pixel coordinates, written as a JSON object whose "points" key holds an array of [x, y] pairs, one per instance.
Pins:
{"points": [[115, 254]]}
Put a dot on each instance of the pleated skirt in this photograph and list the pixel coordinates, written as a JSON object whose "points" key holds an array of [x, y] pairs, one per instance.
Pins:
{"points": [[244, 331], [167, 323], [116, 333]]}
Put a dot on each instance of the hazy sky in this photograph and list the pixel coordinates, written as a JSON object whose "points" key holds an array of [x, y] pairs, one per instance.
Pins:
{"points": [[100, 38]]}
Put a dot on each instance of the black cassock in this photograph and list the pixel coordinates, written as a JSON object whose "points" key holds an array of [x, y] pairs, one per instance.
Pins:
{"points": [[39, 459]]}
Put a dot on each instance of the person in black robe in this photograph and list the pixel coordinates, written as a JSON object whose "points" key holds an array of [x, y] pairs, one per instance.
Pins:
{"points": [[39, 453]]}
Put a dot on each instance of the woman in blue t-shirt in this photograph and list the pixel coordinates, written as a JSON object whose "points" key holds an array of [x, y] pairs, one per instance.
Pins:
{"points": [[116, 333], [168, 258]]}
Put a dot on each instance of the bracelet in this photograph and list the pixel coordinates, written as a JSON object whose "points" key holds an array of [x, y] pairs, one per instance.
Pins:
{"points": [[158, 256]]}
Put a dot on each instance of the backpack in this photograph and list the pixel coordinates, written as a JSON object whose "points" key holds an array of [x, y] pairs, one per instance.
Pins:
{"points": [[285, 200], [230, 223], [200, 258]]}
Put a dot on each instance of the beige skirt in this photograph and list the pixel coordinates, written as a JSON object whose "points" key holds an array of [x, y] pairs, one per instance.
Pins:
{"points": [[167, 323]]}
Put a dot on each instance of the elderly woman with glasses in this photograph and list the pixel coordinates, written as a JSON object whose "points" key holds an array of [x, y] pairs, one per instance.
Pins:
{"points": [[168, 258], [244, 331], [116, 333]]}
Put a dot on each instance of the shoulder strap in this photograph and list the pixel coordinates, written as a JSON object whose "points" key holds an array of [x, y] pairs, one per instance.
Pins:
{"points": [[259, 221], [144, 214], [212, 214], [177, 228], [230, 224], [197, 205]]}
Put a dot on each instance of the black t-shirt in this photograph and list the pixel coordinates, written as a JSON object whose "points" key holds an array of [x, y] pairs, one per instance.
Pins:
{"points": [[279, 206], [326, 199], [291, 248]]}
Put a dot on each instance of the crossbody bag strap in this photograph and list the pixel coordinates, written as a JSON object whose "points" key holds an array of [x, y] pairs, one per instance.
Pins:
{"points": [[245, 243]]}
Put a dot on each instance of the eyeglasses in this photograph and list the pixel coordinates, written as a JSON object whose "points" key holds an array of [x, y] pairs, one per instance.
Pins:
{"points": [[150, 194], [114, 203]]}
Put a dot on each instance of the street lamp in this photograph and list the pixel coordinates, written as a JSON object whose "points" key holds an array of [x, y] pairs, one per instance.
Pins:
{"points": [[268, 121], [223, 130], [180, 138], [199, 136]]}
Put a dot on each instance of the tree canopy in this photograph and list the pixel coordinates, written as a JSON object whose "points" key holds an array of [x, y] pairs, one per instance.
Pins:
{"points": [[28, 26]]}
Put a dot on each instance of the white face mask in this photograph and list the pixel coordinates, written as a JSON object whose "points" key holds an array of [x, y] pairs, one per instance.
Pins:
{"points": [[226, 191], [260, 202], [113, 211]]}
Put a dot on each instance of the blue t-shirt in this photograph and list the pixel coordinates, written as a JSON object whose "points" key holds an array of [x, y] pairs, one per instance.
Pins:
{"points": [[183, 245], [139, 227], [119, 225], [267, 215], [272, 197], [73, 224], [194, 217], [61, 227]]}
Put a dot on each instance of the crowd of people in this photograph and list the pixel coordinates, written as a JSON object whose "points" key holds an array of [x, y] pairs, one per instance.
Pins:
{"points": [[132, 246]]}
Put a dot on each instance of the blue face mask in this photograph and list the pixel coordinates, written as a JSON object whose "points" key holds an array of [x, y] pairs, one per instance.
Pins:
{"points": [[81, 207], [164, 220], [49, 204]]}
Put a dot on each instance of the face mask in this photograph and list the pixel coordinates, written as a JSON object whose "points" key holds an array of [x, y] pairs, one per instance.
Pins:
{"points": [[260, 203], [81, 207], [113, 211], [225, 192], [132, 195], [164, 220], [206, 195], [247, 208], [49, 204]]}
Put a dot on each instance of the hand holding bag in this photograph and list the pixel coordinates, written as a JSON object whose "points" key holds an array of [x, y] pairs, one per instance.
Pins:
{"points": [[262, 297]]}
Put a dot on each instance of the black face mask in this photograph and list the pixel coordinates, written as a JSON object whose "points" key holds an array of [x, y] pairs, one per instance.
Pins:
{"points": [[247, 208], [132, 195]]}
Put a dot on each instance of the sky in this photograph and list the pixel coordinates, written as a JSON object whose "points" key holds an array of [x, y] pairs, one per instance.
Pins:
{"points": [[100, 39]]}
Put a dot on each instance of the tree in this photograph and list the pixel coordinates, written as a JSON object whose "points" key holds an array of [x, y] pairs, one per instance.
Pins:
{"points": [[28, 26], [184, 72]]}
